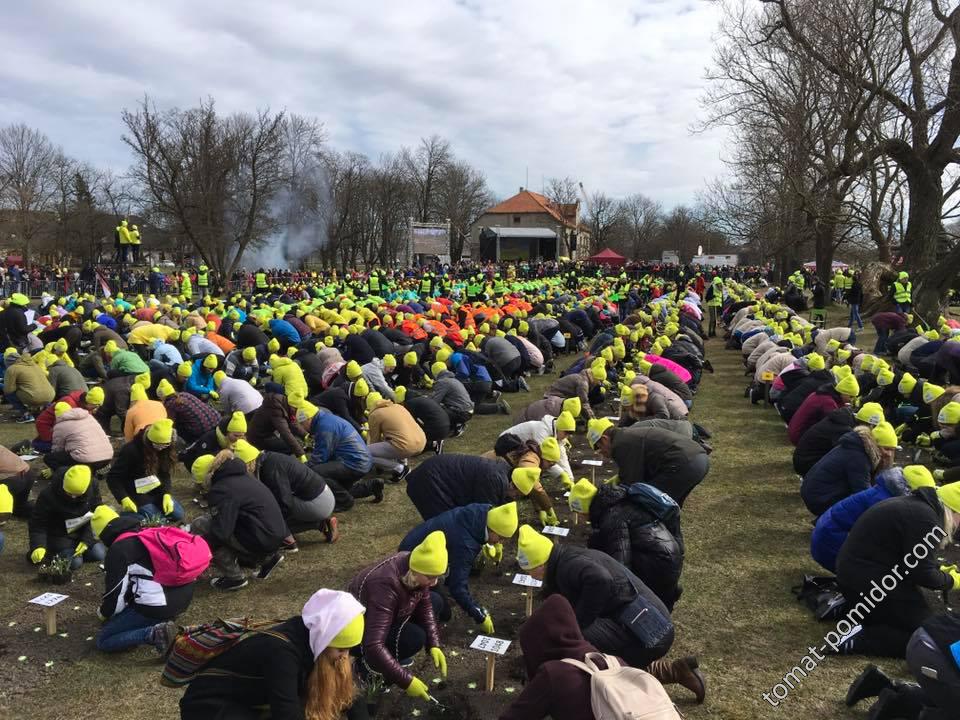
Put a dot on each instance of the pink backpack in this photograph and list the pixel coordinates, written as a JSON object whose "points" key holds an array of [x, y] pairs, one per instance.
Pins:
{"points": [[178, 557]]}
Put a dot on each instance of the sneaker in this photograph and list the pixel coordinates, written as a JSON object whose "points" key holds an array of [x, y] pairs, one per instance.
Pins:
{"points": [[331, 529], [225, 583], [504, 406], [459, 430], [522, 383], [25, 418], [399, 476], [290, 545], [270, 565], [437, 447], [162, 636]]}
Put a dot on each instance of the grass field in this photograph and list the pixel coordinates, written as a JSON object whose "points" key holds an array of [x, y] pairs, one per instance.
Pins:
{"points": [[746, 532]]}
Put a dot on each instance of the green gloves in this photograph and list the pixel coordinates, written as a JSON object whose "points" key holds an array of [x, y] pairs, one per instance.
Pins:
{"points": [[487, 625], [952, 571], [900, 428], [938, 474], [81, 549], [923, 440], [494, 552], [418, 689], [548, 517], [566, 481], [214, 395], [128, 505], [37, 556], [615, 480], [167, 504], [439, 661], [302, 458]]}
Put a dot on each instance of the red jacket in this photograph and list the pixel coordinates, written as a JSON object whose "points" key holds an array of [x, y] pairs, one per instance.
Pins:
{"points": [[47, 418], [814, 408], [389, 602]]}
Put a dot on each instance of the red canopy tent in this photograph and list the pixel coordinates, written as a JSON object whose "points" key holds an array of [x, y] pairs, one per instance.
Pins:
{"points": [[607, 257]]}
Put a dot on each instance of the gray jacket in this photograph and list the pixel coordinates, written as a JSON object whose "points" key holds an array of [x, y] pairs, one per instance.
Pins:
{"points": [[451, 394]]}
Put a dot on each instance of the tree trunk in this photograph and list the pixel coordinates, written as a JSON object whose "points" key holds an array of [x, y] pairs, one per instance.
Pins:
{"points": [[931, 276]]}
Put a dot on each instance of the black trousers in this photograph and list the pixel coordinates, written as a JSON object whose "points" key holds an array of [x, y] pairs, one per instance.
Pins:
{"points": [[610, 637], [888, 627]]}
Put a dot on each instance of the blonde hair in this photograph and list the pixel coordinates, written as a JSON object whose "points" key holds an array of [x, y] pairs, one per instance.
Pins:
{"points": [[949, 526], [330, 688]]}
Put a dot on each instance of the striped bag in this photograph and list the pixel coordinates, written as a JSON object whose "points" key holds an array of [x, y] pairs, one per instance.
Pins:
{"points": [[197, 645]]}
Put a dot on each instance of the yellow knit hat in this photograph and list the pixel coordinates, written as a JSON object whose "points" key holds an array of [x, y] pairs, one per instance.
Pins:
{"points": [[102, 516], [595, 430], [306, 411], [907, 383], [885, 436], [77, 479], [437, 368], [238, 422], [525, 478], [184, 370], [931, 392], [245, 451], [598, 372], [389, 361], [503, 519], [137, 393], [885, 378], [218, 377], [815, 362], [273, 345], [201, 466], [249, 354], [949, 413], [430, 557], [360, 388], [210, 362], [161, 432], [581, 495], [848, 386], [60, 408], [533, 549], [350, 636], [950, 495], [164, 389], [918, 476], [94, 396], [400, 394], [143, 379], [867, 363], [871, 413], [573, 406], [565, 422], [410, 359], [373, 399], [550, 450], [353, 370]]}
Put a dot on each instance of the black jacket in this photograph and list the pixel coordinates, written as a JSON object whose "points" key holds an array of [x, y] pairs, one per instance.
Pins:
{"points": [[670, 380], [54, 508], [596, 585], [244, 509], [128, 466], [261, 671], [250, 335], [430, 416], [818, 440], [447, 481], [288, 478], [885, 535], [356, 348], [312, 368], [380, 343], [128, 581], [631, 535], [13, 320], [791, 401], [643, 454]]}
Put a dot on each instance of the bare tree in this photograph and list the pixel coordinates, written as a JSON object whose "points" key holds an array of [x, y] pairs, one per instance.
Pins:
{"points": [[604, 215], [562, 191], [642, 217], [462, 194], [28, 179], [424, 167], [210, 178]]}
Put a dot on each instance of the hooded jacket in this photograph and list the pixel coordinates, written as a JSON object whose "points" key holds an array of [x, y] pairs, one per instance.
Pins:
{"points": [[373, 374], [887, 533], [129, 582], [815, 406], [631, 535], [430, 416], [200, 382], [450, 480], [389, 602], [65, 379], [576, 385], [451, 393], [846, 469], [676, 408], [647, 454], [141, 414], [288, 478], [13, 321], [465, 530], [245, 510], [554, 688], [28, 381], [821, 438], [835, 524], [78, 433], [796, 393], [392, 423], [273, 418], [336, 439], [53, 509], [596, 585], [287, 373]]}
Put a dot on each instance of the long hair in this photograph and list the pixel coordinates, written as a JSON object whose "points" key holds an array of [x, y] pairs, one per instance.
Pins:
{"points": [[157, 461], [330, 689], [949, 527]]}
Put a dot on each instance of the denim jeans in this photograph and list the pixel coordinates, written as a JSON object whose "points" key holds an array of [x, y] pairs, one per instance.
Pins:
{"points": [[66, 547], [881, 346], [15, 403], [855, 316], [151, 510], [124, 630]]}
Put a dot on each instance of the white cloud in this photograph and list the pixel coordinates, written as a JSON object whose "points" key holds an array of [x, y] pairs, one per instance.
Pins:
{"points": [[602, 91]]}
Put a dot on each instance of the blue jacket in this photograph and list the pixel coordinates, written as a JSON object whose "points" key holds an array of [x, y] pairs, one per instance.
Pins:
{"points": [[835, 524], [282, 330], [106, 320], [465, 529], [465, 369], [200, 382], [847, 469], [336, 439]]}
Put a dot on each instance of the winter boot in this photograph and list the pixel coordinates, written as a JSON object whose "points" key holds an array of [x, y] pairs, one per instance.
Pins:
{"points": [[895, 705], [368, 487], [684, 671], [870, 683]]}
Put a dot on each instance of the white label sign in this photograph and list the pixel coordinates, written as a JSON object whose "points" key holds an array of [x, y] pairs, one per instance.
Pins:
{"points": [[48, 599], [594, 463], [554, 530], [28, 458], [73, 523], [527, 581], [146, 484], [490, 644]]}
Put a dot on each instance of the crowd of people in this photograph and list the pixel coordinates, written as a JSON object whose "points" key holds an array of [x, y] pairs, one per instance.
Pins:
{"points": [[860, 421], [292, 404]]}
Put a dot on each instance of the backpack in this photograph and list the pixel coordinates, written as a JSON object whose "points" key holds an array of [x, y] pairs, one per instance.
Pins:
{"points": [[623, 693], [822, 595], [196, 646], [656, 502], [178, 557]]}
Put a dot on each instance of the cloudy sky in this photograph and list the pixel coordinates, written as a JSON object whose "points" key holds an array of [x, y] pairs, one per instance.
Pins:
{"points": [[603, 91]]}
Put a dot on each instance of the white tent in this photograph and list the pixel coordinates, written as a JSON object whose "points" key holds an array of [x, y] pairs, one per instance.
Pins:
{"points": [[837, 265]]}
